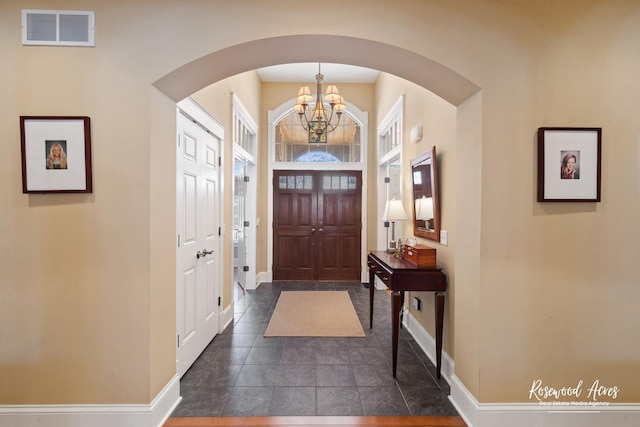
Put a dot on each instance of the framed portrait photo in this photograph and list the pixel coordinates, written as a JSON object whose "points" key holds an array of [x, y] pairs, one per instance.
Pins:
{"points": [[56, 154], [569, 164]]}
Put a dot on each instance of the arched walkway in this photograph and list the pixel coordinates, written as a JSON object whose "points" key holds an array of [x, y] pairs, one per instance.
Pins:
{"points": [[431, 75], [233, 60]]}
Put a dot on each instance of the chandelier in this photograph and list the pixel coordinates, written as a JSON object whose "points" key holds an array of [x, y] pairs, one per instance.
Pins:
{"points": [[319, 123]]}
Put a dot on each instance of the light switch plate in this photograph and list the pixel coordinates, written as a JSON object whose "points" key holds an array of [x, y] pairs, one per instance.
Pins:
{"points": [[444, 237]]}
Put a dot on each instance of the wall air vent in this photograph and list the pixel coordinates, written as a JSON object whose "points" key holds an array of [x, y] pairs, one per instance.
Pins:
{"points": [[58, 27]]}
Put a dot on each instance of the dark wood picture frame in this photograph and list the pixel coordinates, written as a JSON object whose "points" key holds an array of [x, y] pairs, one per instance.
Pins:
{"points": [[56, 154], [569, 164]]}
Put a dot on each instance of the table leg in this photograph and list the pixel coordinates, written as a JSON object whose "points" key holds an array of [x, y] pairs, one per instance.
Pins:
{"points": [[401, 308], [396, 306], [372, 284], [439, 303]]}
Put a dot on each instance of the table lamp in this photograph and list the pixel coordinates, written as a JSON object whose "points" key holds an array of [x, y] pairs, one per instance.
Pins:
{"points": [[394, 211], [424, 210]]}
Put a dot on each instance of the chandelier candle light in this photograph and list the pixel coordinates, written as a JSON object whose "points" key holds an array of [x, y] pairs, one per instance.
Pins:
{"points": [[394, 211], [319, 124]]}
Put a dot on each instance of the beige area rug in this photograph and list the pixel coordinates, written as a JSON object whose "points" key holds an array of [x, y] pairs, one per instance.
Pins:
{"points": [[314, 314]]}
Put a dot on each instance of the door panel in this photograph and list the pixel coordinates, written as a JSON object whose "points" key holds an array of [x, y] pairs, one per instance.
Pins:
{"points": [[197, 223], [211, 271], [294, 226], [317, 225], [341, 221], [189, 284], [211, 236]]}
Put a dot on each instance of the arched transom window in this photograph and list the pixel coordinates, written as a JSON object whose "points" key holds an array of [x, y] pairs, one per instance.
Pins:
{"points": [[292, 142]]}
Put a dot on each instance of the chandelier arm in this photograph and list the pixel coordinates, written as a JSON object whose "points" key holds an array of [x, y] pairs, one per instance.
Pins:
{"points": [[331, 115], [304, 123], [332, 127]]}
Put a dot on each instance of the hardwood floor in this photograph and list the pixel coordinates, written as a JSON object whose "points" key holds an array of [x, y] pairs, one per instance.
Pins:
{"points": [[388, 421]]}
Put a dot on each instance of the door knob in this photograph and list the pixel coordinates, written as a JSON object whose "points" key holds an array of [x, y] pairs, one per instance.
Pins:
{"points": [[313, 230], [202, 254], [321, 230]]}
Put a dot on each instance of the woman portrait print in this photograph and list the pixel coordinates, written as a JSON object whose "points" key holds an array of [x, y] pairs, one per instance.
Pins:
{"points": [[56, 154], [570, 167]]}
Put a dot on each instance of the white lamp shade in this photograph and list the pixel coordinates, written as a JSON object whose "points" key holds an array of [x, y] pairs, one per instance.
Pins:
{"points": [[304, 94], [340, 106], [424, 208], [394, 211], [299, 107], [332, 94]]}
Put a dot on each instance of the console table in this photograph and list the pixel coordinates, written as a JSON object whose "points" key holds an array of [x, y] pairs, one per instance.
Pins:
{"points": [[400, 275]]}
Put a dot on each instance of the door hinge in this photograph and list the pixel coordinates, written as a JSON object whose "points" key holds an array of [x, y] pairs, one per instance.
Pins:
{"points": [[219, 301], [246, 223], [245, 268], [179, 139], [387, 179], [178, 240], [178, 340], [219, 231], [246, 179], [219, 161]]}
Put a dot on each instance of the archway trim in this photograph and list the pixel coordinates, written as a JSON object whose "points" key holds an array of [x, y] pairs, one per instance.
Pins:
{"points": [[243, 57]]}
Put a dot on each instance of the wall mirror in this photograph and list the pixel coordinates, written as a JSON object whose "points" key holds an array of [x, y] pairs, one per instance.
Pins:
{"points": [[426, 203]]}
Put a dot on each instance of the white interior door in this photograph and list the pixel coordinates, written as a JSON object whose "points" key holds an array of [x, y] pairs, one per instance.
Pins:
{"points": [[198, 254]]}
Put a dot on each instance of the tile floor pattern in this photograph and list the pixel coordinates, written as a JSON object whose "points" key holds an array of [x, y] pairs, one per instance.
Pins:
{"points": [[242, 373]]}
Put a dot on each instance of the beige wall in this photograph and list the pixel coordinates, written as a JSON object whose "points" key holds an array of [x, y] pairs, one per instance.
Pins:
{"points": [[438, 120], [546, 291]]}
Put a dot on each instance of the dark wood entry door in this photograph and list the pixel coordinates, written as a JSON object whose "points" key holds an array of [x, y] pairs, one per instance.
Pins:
{"points": [[317, 225]]}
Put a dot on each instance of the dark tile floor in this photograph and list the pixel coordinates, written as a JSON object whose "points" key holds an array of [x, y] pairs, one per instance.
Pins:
{"points": [[242, 373]]}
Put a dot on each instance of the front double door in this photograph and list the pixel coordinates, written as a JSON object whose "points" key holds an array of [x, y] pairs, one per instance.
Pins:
{"points": [[317, 225]]}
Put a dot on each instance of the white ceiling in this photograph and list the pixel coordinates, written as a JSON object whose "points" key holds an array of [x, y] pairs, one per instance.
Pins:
{"points": [[306, 72]]}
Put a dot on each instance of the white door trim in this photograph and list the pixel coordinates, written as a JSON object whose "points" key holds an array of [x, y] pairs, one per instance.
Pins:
{"points": [[241, 113]]}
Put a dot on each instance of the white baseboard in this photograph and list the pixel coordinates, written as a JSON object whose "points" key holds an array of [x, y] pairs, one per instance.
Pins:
{"points": [[428, 344], [264, 277], [226, 317], [364, 276], [464, 402], [535, 415], [151, 415], [518, 414]]}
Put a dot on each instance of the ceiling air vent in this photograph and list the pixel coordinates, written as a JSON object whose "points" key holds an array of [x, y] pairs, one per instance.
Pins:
{"points": [[58, 27]]}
